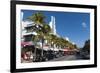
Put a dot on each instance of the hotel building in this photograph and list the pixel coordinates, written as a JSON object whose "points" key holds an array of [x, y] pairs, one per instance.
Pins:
{"points": [[27, 28]]}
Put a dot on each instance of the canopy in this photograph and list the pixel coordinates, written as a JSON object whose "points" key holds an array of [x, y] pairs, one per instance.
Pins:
{"points": [[26, 43]]}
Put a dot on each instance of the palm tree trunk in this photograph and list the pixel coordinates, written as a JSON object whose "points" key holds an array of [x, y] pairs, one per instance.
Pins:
{"points": [[35, 54], [53, 47], [42, 47]]}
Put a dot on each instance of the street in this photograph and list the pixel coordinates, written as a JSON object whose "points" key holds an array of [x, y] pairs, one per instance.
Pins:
{"points": [[67, 57], [63, 58]]}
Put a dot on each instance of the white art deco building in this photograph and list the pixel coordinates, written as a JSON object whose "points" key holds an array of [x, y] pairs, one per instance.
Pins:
{"points": [[26, 36]]}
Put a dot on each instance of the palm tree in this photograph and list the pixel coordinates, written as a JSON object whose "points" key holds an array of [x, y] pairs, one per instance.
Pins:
{"points": [[86, 47], [42, 28], [38, 18], [52, 40], [43, 34], [35, 39]]}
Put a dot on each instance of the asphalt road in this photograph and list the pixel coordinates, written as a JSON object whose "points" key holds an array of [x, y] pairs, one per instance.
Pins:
{"points": [[67, 57], [63, 58]]}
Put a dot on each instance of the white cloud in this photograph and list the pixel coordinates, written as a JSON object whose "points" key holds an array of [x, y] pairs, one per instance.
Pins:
{"points": [[84, 25], [67, 38], [73, 43]]}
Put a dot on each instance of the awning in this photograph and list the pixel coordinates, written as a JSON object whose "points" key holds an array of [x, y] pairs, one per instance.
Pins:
{"points": [[46, 48], [26, 43]]}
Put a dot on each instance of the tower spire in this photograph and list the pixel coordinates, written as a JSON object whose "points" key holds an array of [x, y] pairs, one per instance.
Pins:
{"points": [[52, 25]]}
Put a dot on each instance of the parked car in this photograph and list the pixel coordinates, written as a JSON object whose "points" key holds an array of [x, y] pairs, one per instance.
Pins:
{"points": [[85, 55]]}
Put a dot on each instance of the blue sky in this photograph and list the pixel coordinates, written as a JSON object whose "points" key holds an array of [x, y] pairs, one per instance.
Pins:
{"points": [[74, 25]]}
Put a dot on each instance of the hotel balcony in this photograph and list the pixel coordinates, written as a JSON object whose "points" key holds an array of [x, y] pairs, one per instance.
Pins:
{"points": [[27, 23], [24, 33], [30, 33]]}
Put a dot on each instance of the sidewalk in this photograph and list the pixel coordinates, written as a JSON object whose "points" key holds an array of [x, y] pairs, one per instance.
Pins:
{"points": [[26, 61]]}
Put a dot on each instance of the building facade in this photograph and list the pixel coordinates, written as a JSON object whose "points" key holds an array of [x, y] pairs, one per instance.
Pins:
{"points": [[28, 31]]}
